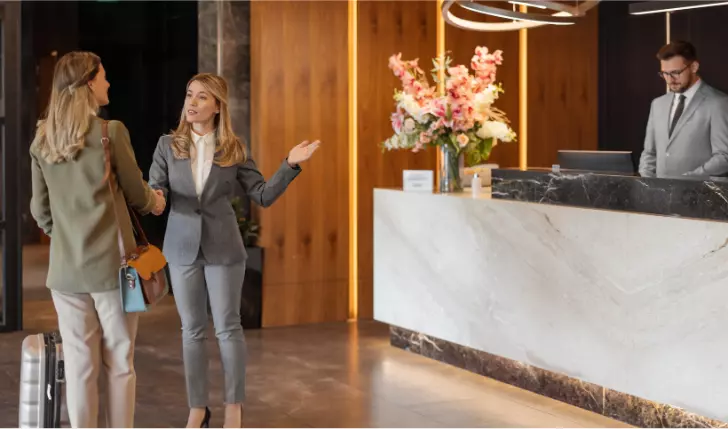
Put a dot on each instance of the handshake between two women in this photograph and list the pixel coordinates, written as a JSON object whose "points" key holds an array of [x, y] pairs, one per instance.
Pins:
{"points": [[160, 204]]}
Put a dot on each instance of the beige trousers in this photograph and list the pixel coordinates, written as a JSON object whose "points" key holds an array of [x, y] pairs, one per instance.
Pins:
{"points": [[98, 337]]}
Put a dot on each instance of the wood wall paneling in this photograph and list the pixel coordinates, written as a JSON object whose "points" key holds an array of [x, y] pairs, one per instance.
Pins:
{"points": [[562, 89], [299, 91], [385, 28], [303, 95], [460, 45]]}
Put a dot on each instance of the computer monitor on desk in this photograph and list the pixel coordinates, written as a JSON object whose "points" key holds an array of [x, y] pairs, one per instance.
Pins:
{"points": [[597, 161]]}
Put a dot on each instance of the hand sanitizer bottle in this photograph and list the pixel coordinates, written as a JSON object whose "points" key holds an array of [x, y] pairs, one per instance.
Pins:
{"points": [[476, 185]]}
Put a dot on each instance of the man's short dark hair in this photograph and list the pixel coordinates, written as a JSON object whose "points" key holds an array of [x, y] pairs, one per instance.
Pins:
{"points": [[677, 48]]}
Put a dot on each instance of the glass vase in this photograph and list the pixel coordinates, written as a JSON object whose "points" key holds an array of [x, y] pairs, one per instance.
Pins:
{"points": [[451, 163]]}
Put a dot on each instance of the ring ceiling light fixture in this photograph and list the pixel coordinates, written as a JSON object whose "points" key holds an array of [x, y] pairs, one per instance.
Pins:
{"points": [[564, 14], [650, 7]]}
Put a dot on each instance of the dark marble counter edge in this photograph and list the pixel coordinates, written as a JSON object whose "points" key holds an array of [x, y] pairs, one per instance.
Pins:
{"points": [[689, 197], [627, 408]]}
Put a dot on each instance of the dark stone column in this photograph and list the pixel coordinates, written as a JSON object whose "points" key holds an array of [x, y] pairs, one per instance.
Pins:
{"points": [[232, 60]]}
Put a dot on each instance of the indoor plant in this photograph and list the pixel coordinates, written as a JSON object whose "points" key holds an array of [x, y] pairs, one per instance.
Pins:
{"points": [[251, 303]]}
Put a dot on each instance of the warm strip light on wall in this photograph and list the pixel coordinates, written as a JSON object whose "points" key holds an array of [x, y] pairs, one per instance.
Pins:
{"points": [[353, 165], [667, 27], [523, 95], [220, 37], [667, 40], [440, 53], [440, 36]]}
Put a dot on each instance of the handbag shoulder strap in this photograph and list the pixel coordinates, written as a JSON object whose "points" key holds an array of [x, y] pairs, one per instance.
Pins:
{"points": [[109, 178]]}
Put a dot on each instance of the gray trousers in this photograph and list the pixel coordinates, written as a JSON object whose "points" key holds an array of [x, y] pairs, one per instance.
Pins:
{"points": [[223, 284]]}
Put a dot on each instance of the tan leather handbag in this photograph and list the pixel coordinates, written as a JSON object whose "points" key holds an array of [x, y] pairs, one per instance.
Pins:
{"points": [[142, 279]]}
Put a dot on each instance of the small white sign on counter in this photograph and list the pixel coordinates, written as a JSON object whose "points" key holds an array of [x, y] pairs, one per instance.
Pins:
{"points": [[418, 180]]}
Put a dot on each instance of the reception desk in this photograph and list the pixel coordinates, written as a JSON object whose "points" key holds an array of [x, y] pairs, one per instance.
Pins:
{"points": [[609, 293]]}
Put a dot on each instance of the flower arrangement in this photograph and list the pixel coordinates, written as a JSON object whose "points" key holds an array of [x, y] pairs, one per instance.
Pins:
{"points": [[462, 121]]}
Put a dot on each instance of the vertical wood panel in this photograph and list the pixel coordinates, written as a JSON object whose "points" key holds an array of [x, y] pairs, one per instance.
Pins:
{"points": [[299, 92], [562, 89], [385, 28], [303, 94], [460, 45]]}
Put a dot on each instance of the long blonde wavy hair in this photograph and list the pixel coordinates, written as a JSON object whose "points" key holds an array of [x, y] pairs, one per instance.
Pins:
{"points": [[61, 135], [229, 148]]}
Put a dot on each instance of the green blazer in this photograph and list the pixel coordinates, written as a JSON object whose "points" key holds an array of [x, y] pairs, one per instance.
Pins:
{"points": [[72, 204]]}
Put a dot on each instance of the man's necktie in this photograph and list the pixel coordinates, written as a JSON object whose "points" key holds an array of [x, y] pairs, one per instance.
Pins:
{"points": [[678, 112]]}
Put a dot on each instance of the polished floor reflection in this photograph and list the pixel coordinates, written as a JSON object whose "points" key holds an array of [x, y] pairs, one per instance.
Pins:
{"points": [[331, 375]]}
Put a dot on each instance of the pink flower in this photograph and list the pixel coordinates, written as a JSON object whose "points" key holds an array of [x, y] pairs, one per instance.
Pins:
{"points": [[485, 65], [412, 77], [460, 98], [438, 107], [458, 71], [458, 110], [395, 63], [397, 122]]}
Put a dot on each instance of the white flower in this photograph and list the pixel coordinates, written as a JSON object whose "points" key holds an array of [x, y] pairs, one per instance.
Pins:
{"points": [[391, 143], [410, 105], [484, 99], [409, 125], [496, 129], [397, 141]]}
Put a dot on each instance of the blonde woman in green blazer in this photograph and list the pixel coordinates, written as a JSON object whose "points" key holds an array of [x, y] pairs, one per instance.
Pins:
{"points": [[71, 203]]}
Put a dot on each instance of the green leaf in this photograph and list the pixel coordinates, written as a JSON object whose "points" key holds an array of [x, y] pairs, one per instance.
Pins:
{"points": [[472, 158]]}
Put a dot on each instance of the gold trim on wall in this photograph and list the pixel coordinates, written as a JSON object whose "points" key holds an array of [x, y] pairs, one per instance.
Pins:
{"points": [[523, 95], [353, 164], [440, 53]]}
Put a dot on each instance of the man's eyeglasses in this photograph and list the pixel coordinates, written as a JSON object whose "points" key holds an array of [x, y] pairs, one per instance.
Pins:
{"points": [[673, 74]]}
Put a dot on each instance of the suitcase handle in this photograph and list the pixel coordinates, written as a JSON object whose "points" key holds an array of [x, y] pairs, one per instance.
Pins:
{"points": [[61, 371]]}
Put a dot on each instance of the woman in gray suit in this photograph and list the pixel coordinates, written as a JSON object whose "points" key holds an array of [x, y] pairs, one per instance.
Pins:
{"points": [[195, 167]]}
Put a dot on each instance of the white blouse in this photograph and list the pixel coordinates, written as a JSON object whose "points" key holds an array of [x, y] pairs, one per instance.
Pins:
{"points": [[201, 159]]}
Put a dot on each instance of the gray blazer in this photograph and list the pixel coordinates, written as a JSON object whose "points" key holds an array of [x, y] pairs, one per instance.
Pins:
{"points": [[209, 222], [699, 143]]}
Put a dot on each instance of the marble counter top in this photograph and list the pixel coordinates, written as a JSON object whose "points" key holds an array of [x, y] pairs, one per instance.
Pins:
{"points": [[633, 303], [685, 197]]}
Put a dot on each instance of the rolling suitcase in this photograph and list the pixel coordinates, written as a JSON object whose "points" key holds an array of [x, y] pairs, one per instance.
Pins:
{"points": [[41, 376]]}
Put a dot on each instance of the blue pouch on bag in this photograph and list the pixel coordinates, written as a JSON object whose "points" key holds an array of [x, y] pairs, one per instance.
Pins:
{"points": [[132, 294]]}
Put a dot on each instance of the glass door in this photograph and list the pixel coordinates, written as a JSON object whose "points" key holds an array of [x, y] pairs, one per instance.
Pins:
{"points": [[11, 311]]}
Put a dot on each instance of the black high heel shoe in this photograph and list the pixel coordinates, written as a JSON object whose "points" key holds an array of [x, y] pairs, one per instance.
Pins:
{"points": [[206, 421]]}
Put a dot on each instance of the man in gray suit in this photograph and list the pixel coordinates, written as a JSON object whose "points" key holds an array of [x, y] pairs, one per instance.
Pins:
{"points": [[687, 132]]}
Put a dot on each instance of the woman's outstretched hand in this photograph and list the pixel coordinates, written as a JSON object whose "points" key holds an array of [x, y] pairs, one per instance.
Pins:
{"points": [[160, 202], [302, 152]]}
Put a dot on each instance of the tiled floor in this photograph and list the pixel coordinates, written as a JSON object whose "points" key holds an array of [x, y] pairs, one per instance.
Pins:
{"points": [[331, 375]]}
